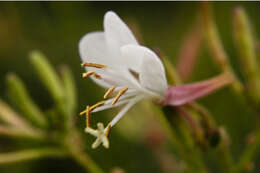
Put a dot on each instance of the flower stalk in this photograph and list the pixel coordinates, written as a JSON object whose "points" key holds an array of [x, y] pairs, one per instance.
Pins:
{"points": [[248, 59], [30, 154], [215, 45], [251, 151]]}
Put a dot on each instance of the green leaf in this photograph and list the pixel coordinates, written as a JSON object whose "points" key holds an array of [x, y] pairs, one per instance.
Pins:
{"points": [[48, 76], [20, 96], [30, 154], [245, 46], [69, 90]]}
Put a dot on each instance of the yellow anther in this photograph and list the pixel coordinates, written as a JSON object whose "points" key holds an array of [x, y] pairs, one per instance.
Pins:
{"points": [[109, 91], [86, 64], [120, 93], [88, 117], [83, 112], [108, 130], [89, 73], [96, 105], [97, 76]]}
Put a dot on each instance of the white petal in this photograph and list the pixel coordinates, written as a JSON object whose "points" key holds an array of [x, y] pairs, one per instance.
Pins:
{"points": [[152, 74], [132, 56], [92, 48], [117, 33]]}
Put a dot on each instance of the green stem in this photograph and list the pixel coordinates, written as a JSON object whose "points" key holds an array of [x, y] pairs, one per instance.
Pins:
{"points": [[74, 146], [30, 154], [225, 158], [190, 156], [249, 154], [246, 49], [215, 45]]}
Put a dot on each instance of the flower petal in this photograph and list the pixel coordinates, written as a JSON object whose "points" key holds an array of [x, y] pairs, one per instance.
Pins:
{"points": [[117, 33], [179, 95], [152, 73], [132, 56], [92, 48]]}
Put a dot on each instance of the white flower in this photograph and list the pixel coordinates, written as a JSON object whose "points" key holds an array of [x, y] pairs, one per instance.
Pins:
{"points": [[115, 61], [128, 64]]}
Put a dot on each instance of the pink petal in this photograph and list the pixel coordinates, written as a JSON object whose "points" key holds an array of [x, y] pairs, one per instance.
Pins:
{"points": [[179, 95]]}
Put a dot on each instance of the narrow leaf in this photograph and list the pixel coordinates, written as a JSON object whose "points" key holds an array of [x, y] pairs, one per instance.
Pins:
{"points": [[245, 46], [69, 90], [47, 75], [9, 116], [30, 154], [19, 95]]}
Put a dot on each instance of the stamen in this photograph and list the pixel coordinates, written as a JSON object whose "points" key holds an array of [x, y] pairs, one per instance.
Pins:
{"points": [[83, 112], [86, 64], [88, 117], [120, 93], [97, 76], [108, 130], [109, 91], [89, 73], [96, 105]]}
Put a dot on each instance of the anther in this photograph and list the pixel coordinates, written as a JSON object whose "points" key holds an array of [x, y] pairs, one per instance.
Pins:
{"points": [[97, 76], [108, 130], [120, 93], [86, 64], [88, 117], [89, 73], [83, 112], [96, 105], [109, 91]]}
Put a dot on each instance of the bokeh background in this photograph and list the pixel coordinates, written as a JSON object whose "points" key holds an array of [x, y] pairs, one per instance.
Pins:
{"points": [[55, 28]]}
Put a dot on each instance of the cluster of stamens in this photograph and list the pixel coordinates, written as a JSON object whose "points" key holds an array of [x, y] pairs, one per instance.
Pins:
{"points": [[89, 109]]}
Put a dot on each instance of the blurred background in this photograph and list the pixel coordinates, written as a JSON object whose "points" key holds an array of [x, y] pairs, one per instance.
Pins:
{"points": [[55, 28]]}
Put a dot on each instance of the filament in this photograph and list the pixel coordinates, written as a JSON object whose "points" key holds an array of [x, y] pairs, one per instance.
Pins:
{"points": [[108, 130], [88, 117]]}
